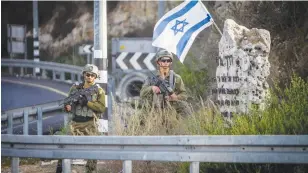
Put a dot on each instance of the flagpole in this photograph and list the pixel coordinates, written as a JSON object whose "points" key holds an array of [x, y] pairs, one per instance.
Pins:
{"points": [[217, 28], [213, 19]]}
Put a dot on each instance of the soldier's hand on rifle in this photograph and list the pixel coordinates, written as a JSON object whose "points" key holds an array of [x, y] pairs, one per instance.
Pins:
{"points": [[172, 97], [155, 89], [83, 100], [68, 108]]}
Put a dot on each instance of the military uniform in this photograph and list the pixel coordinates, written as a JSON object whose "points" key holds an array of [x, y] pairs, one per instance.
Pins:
{"points": [[82, 118], [175, 82]]}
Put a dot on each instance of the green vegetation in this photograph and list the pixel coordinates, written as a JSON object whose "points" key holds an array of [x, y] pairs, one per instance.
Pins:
{"points": [[196, 82]]}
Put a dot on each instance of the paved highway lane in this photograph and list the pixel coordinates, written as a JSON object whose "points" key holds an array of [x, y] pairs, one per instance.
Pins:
{"points": [[23, 92], [18, 95]]}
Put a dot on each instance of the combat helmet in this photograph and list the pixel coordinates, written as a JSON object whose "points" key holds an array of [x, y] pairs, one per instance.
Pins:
{"points": [[91, 69], [163, 53]]}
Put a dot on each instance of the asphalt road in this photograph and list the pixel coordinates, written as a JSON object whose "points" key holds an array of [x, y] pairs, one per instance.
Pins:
{"points": [[23, 92], [17, 95]]}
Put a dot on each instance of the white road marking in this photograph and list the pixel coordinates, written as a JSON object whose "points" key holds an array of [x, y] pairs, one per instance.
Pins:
{"points": [[36, 85]]}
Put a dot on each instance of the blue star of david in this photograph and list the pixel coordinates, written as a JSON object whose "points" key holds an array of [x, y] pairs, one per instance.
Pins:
{"points": [[181, 29]]}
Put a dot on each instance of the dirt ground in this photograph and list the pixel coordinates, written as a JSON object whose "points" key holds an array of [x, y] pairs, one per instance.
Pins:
{"points": [[103, 167], [50, 167]]}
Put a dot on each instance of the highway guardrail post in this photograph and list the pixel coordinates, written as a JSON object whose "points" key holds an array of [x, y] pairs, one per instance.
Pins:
{"points": [[127, 166], [26, 122], [66, 165], [10, 123], [194, 167], [39, 121]]}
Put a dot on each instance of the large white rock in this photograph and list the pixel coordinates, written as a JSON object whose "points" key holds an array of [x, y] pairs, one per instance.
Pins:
{"points": [[243, 68]]}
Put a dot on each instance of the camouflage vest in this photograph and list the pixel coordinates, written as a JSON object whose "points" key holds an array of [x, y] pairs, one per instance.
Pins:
{"points": [[85, 111], [158, 99], [169, 80]]}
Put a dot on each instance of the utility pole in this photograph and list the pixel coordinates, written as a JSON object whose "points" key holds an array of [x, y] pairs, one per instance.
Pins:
{"points": [[161, 8], [100, 55], [160, 11], [36, 43]]}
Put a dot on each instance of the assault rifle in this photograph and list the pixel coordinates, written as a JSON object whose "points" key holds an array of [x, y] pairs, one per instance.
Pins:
{"points": [[75, 96], [161, 84]]}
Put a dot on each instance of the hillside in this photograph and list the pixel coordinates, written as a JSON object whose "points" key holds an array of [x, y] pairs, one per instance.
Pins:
{"points": [[65, 25]]}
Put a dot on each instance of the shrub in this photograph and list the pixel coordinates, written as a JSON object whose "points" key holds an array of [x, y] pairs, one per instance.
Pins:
{"points": [[196, 81], [285, 113]]}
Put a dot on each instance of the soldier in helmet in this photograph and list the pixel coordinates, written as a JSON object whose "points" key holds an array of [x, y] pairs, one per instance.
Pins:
{"points": [[84, 114], [152, 93]]}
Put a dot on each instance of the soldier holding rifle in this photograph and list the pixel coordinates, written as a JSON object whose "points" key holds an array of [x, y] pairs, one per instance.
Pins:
{"points": [[166, 88], [85, 105]]}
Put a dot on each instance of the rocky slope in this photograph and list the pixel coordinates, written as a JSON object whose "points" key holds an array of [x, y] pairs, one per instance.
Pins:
{"points": [[65, 25], [122, 20]]}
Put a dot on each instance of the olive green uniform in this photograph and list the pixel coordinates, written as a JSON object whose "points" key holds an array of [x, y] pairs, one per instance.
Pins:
{"points": [[157, 100], [83, 119], [94, 108]]}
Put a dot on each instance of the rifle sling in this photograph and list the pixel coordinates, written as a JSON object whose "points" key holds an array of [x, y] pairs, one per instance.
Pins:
{"points": [[171, 79]]}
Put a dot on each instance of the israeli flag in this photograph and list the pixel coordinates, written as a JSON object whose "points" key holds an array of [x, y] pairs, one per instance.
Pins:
{"points": [[177, 30]]}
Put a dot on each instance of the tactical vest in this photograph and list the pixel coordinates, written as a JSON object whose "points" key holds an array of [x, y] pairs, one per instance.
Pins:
{"points": [[85, 111], [170, 80]]}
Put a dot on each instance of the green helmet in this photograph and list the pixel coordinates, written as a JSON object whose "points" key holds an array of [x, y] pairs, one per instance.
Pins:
{"points": [[163, 53], [91, 69]]}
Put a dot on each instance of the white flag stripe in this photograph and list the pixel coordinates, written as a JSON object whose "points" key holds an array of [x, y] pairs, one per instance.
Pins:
{"points": [[134, 62], [178, 11], [120, 59], [176, 32], [191, 41], [168, 33]]}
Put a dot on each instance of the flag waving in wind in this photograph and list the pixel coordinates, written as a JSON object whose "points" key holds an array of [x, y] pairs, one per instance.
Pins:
{"points": [[177, 30]]}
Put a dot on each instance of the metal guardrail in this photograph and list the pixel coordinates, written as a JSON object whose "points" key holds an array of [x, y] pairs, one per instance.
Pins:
{"points": [[227, 149], [26, 114], [56, 68], [18, 113]]}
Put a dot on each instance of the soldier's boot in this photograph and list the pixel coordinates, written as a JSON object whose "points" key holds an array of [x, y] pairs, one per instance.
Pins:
{"points": [[91, 166], [59, 166]]}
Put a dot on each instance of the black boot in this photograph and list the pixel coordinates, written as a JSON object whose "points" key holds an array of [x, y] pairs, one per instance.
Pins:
{"points": [[59, 166]]}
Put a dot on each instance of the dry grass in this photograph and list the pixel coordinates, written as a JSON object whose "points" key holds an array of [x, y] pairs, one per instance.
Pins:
{"points": [[145, 121], [129, 120]]}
